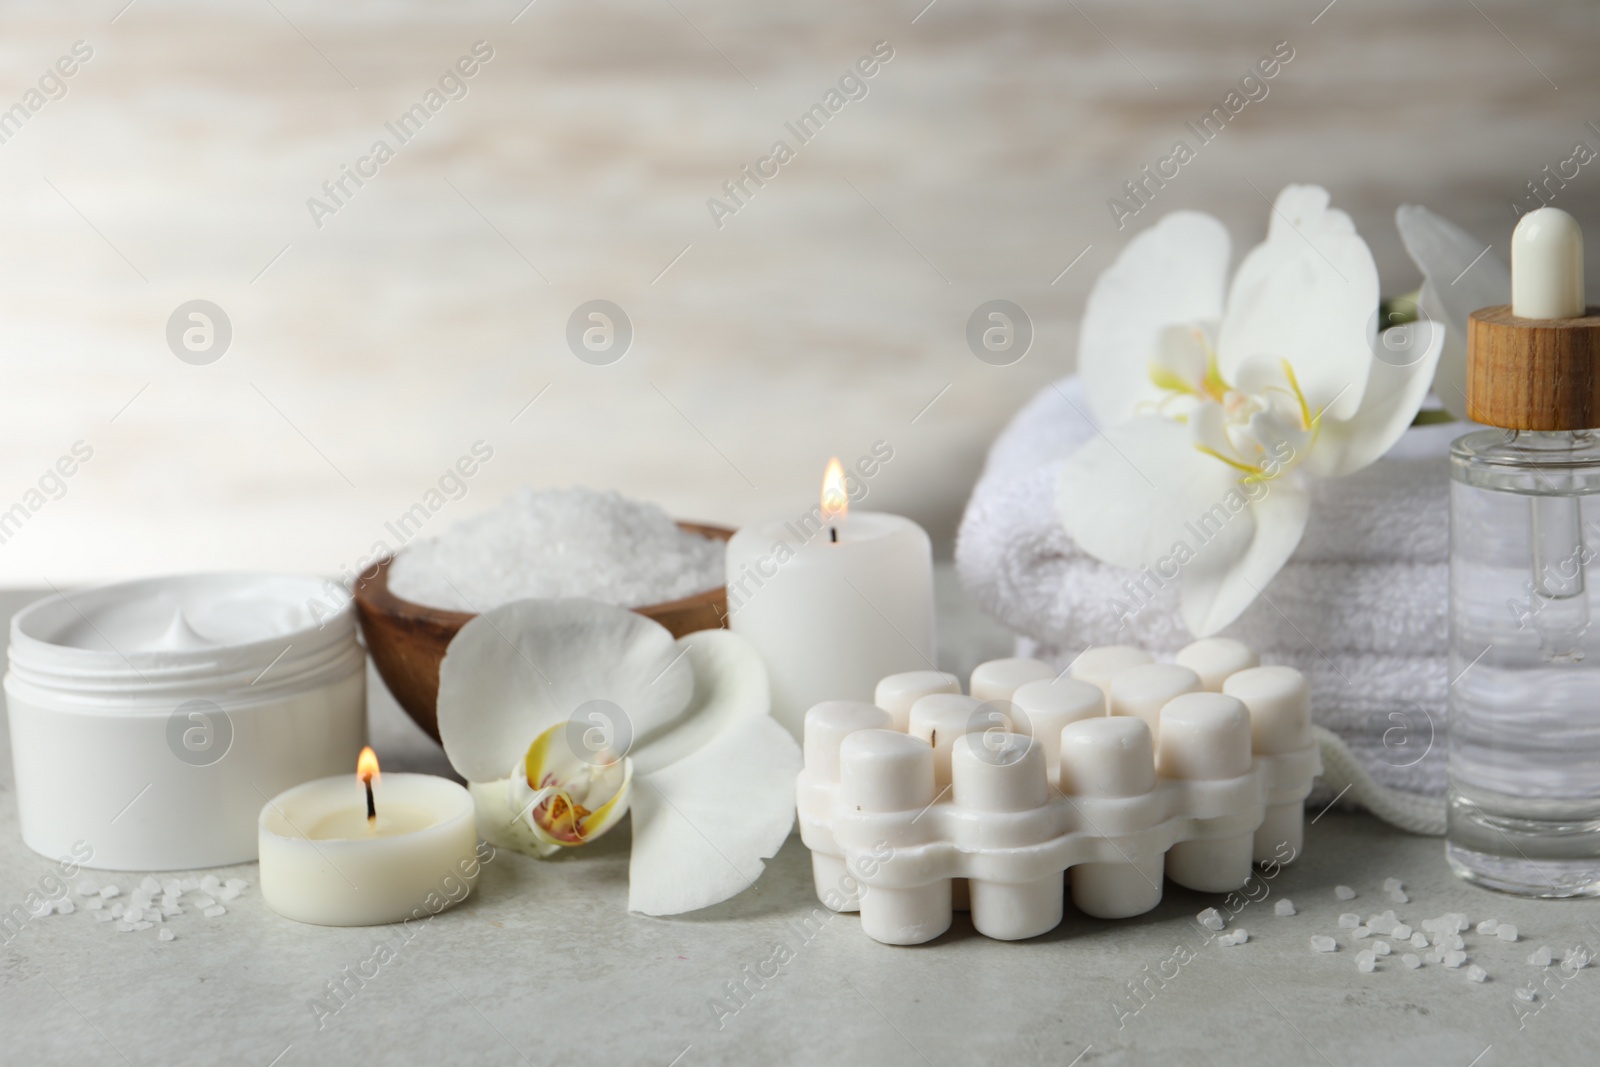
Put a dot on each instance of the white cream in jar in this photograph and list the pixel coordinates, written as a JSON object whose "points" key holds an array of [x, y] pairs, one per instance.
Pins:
{"points": [[151, 720]]}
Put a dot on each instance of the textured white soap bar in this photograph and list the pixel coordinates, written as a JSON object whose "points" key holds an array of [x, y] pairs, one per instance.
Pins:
{"points": [[943, 802]]}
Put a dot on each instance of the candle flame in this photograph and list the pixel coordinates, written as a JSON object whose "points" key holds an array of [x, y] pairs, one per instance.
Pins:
{"points": [[835, 500], [367, 766]]}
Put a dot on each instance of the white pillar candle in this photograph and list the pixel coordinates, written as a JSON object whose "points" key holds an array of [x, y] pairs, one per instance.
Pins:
{"points": [[832, 617], [324, 862]]}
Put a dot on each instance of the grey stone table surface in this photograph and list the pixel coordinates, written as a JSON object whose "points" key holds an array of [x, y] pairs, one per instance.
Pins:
{"points": [[544, 965]]}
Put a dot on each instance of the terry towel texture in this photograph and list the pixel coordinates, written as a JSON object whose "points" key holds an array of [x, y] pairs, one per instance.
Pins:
{"points": [[1361, 606]]}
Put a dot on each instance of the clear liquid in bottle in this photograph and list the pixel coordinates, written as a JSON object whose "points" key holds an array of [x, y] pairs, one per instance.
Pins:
{"points": [[1524, 729]]}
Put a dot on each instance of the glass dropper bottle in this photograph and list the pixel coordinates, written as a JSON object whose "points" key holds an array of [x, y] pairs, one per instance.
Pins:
{"points": [[1524, 728]]}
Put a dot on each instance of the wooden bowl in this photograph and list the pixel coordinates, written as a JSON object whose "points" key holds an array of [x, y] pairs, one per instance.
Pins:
{"points": [[407, 641]]}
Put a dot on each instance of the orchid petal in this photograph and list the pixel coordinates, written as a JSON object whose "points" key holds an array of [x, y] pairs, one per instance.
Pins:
{"points": [[514, 672], [1462, 274], [1172, 273], [704, 823], [1399, 381], [1308, 294], [1243, 554], [1127, 495]]}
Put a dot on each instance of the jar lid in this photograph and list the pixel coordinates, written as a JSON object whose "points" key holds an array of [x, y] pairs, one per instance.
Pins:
{"points": [[249, 634]]}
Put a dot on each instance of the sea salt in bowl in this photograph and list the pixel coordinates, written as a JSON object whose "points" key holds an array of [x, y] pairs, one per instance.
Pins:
{"points": [[407, 640]]}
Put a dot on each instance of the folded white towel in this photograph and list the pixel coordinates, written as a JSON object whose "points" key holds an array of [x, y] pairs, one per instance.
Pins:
{"points": [[1361, 606]]}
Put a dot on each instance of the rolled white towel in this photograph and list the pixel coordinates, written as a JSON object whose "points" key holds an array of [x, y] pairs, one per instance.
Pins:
{"points": [[1361, 606]]}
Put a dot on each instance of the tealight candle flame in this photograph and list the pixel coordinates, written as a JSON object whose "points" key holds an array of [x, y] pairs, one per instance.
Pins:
{"points": [[367, 766], [367, 771], [835, 498]]}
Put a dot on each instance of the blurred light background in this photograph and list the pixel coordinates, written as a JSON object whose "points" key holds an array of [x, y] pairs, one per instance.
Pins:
{"points": [[371, 351]]}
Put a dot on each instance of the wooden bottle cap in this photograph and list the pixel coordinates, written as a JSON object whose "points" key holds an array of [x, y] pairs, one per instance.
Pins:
{"points": [[1533, 374]]}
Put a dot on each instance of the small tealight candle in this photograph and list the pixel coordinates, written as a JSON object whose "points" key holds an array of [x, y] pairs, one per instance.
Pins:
{"points": [[368, 849]]}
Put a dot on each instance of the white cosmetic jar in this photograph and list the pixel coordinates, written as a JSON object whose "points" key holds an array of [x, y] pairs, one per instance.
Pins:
{"points": [[151, 720]]}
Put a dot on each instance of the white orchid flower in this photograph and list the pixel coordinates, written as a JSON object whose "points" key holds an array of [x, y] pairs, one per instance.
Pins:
{"points": [[597, 712], [1213, 413], [1461, 274]]}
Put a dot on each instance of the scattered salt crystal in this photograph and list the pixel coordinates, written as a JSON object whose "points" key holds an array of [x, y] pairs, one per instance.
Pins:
{"points": [[166, 935], [1344, 892], [43, 908], [210, 883], [116, 910], [150, 885], [1283, 907], [1391, 884], [1451, 941], [1419, 940], [65, 906], [143, 925], [189, 885], [154, 915], [107, 892], [1225, 940], [102, 916], [1240, 936], [86, 888], [1476, 973], [1211, 919], [227, 893], [1541, 956], [126, 928], [1577, 958], [1402, 932], [94, 903], [1506, 932], [171, 887], [1411, 961], [1383, 924], [559, 543], [1323, 943], [1454, 958], [170, 910], [1366, 962], [1399, 897], [1381, 948], [206, 902], [1488, 926], [1524, 993], [214, 911], [1361, 931], [238, 885], [1349, 921], [133, 915]]}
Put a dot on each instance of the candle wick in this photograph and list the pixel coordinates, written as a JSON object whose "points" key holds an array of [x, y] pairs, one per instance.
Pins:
{"points": [[833, 534], [372, 808]]}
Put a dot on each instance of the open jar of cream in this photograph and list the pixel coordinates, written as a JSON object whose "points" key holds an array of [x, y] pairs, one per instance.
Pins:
{"points": [[151, 720]]}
